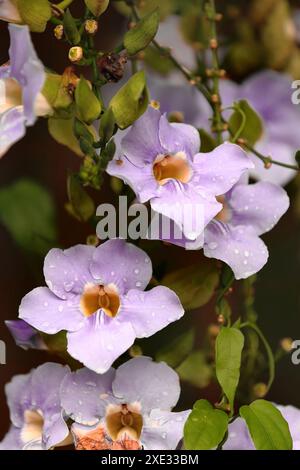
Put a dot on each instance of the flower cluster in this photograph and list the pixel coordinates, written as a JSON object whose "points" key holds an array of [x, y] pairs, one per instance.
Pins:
{"points": [[163, 165], [128, 408]]}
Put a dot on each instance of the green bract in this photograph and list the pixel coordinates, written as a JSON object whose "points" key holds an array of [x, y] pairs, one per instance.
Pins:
{"points": [[131, 101], [35, 14], [137, 38]]}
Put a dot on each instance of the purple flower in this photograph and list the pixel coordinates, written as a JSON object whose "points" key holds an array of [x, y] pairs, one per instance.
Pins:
{"points": [[162, 164], [126, 408], [35, 410], [239, 437], [280, 116], [24, 335], [96, 294], [249, 210], [20, 84]]}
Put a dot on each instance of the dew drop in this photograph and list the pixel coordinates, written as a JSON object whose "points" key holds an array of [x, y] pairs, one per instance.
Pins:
{"points": [[212, 245]]}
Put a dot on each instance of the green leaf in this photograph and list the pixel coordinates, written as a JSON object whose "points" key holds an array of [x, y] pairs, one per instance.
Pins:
{"points": [[88, 105], [70, 29], [107, 125], [97, 7], [268, 429], [194, 285], [205, 427], [138, 38], [208, 143], [246, 123], [229, 346], [56, 92], [174, 352], [62, 131], [35, 14], [195, 370], [131, 101], [28, 213], [153, 59], [82, 205]]}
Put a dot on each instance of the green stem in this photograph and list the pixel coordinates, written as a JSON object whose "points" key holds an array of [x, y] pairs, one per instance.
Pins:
{"points": [[271, 361], [63, 5], [217, 121], [267, 160], [167, 53]]}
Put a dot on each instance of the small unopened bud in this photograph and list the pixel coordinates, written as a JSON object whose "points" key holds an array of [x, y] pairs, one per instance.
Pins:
{"points": [[286, 344], [222, 73], [155, 104], [92, 240], [221, 319], [218, 17], [176, 116], [135, 351], [131, 25], [267, 164], [260, 390], [141, 55], [58, 31], [91, 26], [193, 82], [209, 72], [213, 330], [76, 54], [213, 43], [215, 99]]}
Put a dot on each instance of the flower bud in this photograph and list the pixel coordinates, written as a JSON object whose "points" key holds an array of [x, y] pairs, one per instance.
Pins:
{"points": [[286, 344], [59, 31], [75, 54], [260, 390], [91, 26], [135, 351], [92, 240], [155, 104]]}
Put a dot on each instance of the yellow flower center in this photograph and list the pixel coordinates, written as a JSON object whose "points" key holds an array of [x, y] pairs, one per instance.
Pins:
{"points": [[100, 297], [168, 167]]}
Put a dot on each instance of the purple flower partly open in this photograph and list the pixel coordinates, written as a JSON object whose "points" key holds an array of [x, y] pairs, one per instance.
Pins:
{"points": [[127, 408], [162, 164], [96, 294], [239, 437], [35, 410], [20, 84], [24, 335]]}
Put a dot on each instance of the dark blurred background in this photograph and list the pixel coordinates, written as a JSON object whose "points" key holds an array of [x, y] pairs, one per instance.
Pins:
{"points": [[40, 158]]}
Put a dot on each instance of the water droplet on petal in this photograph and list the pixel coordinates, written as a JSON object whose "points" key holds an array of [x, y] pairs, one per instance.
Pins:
{"points": [[212, 245]]}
